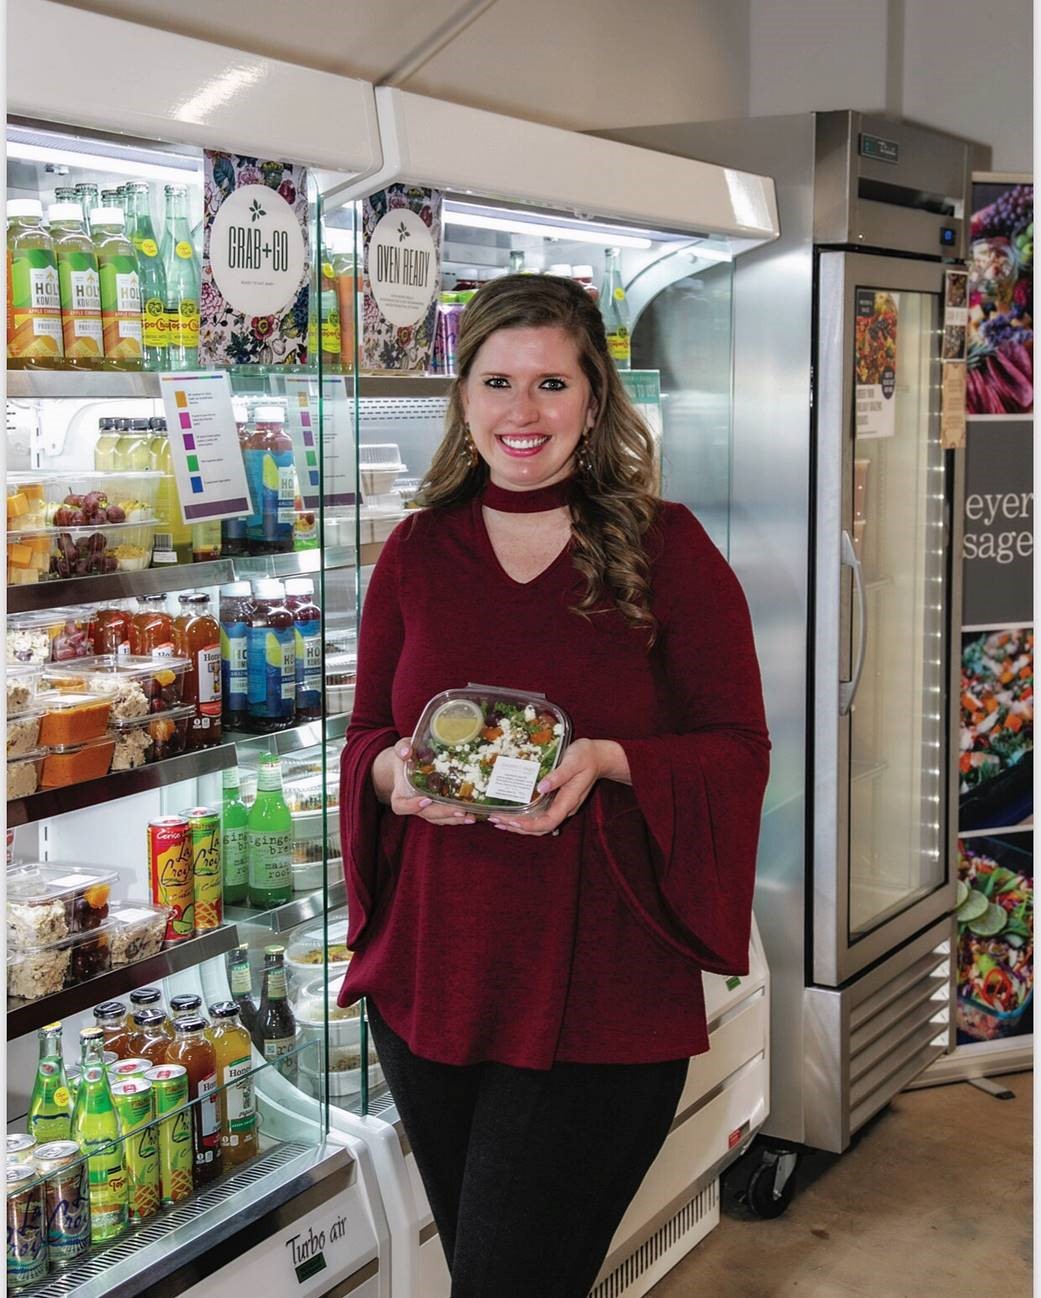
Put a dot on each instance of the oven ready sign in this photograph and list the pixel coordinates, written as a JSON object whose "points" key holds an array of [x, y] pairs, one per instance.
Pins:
{"points": [[257, 250], [403, 267]]}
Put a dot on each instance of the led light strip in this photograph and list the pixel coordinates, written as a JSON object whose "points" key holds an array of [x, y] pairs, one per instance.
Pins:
{"points": [[576, 234], [102, 162]]}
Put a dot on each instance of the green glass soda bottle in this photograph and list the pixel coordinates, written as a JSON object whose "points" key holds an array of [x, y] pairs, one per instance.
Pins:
{"points": [[183, 278], [234, 835], [615, 311], [120, 290], [95, 1128], [152, 275], [79, 286], [50, 1105], [270, 839], [88, 197]]}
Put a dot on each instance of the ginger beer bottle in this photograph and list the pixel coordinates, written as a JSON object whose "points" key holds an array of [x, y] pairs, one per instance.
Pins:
{"points": [[50, 1106], [95, 1128], [269, 839]]}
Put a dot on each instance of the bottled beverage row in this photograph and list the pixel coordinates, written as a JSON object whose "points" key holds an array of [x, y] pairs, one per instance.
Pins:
{"points": [[160, 1104], [93, 288]]}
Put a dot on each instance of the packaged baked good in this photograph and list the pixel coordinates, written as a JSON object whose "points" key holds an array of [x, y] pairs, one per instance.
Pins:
{"points": [[125, 677], [23, 774], [82, 891], [138, 930], [38, 971], [22, 683], [23, 732], [151, 738]]}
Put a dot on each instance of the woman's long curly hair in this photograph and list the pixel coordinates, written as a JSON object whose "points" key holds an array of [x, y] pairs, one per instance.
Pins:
{"points": [[615, 497]]}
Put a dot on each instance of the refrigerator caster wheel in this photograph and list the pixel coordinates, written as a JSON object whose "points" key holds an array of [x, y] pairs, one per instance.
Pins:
{"points": [[771, 1186]]}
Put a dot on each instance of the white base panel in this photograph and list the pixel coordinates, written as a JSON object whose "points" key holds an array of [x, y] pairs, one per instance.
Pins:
{"points": [[980, 1059], [434, 1280], [670, 1243]]}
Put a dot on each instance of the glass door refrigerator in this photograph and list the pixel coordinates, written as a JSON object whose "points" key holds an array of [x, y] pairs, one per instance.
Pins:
{"points": [[845, 532], [512, 195]]}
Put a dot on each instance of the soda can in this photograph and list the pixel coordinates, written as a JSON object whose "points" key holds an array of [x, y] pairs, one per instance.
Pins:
{"points": [[204, 831], [125, 1068], [20, 1149], [26, 1230], [133, 1100], [170, 870], [176, 1153], [66, 1196]]}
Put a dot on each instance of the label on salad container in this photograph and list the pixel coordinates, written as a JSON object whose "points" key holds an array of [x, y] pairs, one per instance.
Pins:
{"points": [[513, 779]]}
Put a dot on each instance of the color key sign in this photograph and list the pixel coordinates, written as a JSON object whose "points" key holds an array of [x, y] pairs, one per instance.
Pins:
{"points": [[302, 402], [204, 446]]}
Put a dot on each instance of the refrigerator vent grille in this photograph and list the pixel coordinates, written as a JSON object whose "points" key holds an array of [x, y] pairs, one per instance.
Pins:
{"points": [[105, 1258], [395, 410], [685, 1221]]}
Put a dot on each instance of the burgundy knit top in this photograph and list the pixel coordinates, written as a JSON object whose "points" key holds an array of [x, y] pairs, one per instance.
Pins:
{"points": [[587, 946]]}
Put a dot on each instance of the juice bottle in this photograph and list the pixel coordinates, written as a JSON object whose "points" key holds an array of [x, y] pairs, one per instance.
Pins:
{"points": [[615, 311], [192, 1051], [173, 537], [151, 630], [153, 276], [150, 998], [346, 279], [95, 1128], [182, 282], [120, 290], [271, 660], [238, 1115], [110, 630], [242, 987], [186, 1005], [134, 448], [307, 619], [111, 1018], [78, 285], [276, 1026], [50, 1107], [233, 540], [105, 446], [151, 1037], [34, 333], [268, 456], [236, 611], [197, 637], [269, 829], [234, 841]]}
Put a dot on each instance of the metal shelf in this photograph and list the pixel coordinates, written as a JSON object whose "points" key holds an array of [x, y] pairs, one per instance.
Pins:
{"points": [[27, 1016], [308, 735], [281, 919], [159, 581], [114, 385]]}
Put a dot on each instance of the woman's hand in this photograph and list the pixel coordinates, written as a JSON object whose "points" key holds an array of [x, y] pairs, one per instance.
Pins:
{"points": [[388, 779], [584, 762]]}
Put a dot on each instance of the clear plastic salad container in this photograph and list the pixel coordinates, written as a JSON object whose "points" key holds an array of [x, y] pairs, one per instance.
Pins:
{"points": [[484, 749], [379, 463], [23, 732], [75, 763], [23, 774], [46, 901], [71, 718], [139, 928], [151, 738], [305, 954], [22, 684], [138, 684], [35, 971], [52, 635]]}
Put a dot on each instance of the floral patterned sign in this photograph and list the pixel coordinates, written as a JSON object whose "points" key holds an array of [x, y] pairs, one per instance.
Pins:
{"points": [[402, 277], [264, 252], [1001, 299]]}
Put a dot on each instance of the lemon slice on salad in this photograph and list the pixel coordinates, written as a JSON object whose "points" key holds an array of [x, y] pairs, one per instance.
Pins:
{"points": [[456, 722], [990, 923], [974, 905]]}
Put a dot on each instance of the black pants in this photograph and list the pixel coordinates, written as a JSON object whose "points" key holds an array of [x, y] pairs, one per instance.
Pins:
{"points": [[528, 1172]]}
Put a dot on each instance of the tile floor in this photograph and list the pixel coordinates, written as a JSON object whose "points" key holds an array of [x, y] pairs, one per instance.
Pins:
{"points": [[933, 1200]]}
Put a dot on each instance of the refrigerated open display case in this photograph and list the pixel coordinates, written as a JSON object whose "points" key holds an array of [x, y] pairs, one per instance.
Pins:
{"points": [[332, 1201]]}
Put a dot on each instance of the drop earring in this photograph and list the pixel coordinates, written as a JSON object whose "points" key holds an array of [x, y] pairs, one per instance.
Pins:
{"points": [[469, 448], [583, 464]]}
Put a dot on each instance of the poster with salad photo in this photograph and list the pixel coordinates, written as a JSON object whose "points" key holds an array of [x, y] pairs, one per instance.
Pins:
{"points": [[996, 761], [1001, 298], [995, 937]]}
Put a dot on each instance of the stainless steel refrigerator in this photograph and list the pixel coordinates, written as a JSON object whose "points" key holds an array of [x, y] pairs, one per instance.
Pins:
{"points": [[844, 529]]}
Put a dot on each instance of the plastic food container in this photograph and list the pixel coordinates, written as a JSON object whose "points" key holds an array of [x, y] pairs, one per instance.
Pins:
{"points": [[341, 673], [138, 684], [75, 551], [71, 719], [53, 635], [314, 995], [379, 463], [304, 954], [152, 738], [484, 749], [134, 491], [75, 763], [27, 497], [344, 1075], [23, 774], [22, 683], [310, 1012], [138, 930], [23, 732], [48, 901], [307, 797], [38, 971]]}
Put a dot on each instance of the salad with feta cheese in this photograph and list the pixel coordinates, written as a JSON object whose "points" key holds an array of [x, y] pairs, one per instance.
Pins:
{"points": [[463, 735], [997, 704], [995, 944]]}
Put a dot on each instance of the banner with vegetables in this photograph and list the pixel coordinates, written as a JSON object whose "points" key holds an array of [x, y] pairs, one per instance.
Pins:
{"points": [[1001, 300], [877, 314], [995, 937]]}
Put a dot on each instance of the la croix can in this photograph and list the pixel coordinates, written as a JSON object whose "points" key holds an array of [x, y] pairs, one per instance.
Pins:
{"points": [[132, 1097], [176, 1151], [66, 1196], [171, 873], [204, 832], [20, 1148], [26, 1230]]}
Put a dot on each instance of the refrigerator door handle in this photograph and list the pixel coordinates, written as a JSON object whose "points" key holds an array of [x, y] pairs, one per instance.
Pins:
{"points": [[848, 559]]}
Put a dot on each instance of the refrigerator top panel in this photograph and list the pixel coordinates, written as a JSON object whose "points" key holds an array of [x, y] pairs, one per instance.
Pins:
{"points": [[162, 86], [884, 184]]}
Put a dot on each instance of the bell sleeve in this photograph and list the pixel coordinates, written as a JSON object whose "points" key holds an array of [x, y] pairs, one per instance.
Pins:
{"points": [[682, 842], [371, 730]]}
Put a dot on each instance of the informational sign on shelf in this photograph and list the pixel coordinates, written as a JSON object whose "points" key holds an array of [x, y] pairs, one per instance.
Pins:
{"points": [[339, 460], [256, 266], [204, 446], [401, 233], [302, 422], [644, 389], [1001, 297], [876, 321]]}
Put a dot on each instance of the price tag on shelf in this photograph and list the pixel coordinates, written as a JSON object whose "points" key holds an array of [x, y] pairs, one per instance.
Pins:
{"points": [[952, 406], [204, 446]]}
